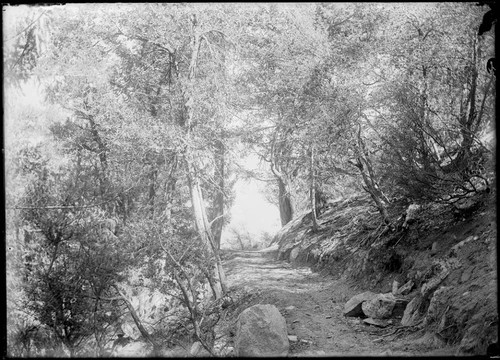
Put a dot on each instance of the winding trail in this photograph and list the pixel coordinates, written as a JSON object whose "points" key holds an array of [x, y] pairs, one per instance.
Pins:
{"points": [[312, 305]]}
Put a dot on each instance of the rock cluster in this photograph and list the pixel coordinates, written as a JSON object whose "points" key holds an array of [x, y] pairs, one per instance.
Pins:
{"points": [[375, 306]]}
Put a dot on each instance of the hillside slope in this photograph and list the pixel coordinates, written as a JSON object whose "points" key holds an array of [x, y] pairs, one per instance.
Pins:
{"points": [[447, 256]]}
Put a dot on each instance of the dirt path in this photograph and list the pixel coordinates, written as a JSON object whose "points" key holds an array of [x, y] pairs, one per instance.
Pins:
{"points": [[312, 306]]}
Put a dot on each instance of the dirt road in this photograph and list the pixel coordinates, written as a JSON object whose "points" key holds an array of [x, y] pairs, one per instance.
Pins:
{"points": [[312, 306]]}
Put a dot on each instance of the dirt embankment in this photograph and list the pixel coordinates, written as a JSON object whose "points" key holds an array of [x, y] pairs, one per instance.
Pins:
{"points": [[449, 256]]}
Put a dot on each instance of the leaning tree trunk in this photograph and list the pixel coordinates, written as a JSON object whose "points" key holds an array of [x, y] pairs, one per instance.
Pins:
{"points": [[371, 186], [198, 207], [284, 195], [203, 227], [285, 202], [219, 270], [284, 192]]}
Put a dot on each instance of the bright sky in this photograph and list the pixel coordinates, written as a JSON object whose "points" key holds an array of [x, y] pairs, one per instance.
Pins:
{"points": [[251, 213]]}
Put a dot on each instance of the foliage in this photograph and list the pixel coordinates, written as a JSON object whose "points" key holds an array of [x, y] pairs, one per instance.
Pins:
{"points": [[132, 155], [436, 107], [71, 263], [27, 34]]}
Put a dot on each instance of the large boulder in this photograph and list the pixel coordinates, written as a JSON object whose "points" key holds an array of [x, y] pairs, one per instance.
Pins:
{"points": [[261, 331], [353, 306], [380, 307]]}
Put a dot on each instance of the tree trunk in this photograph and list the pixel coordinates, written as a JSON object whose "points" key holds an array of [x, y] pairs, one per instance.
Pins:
{"points": [[312, 191], [467, 122], [284, 194], [103, 158], [170, 187], [153, 174], [198, 207], [285, 202], [219, 270], [218, 218], [371, 186], [203, 228], [320, 200]]}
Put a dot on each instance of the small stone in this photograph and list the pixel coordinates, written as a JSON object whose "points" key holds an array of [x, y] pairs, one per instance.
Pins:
{"points": [[434, 248], [294, 253], [406, 288], [466, 275], [290, 308], [195, 348], [293, 338], [395, 286], [411, 214]]}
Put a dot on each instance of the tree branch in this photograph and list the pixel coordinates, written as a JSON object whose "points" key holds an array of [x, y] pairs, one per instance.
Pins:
{"points": [[136, 319]]}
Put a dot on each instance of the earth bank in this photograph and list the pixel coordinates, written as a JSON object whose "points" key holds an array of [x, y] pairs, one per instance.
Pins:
{"points": [[447, 256]]}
